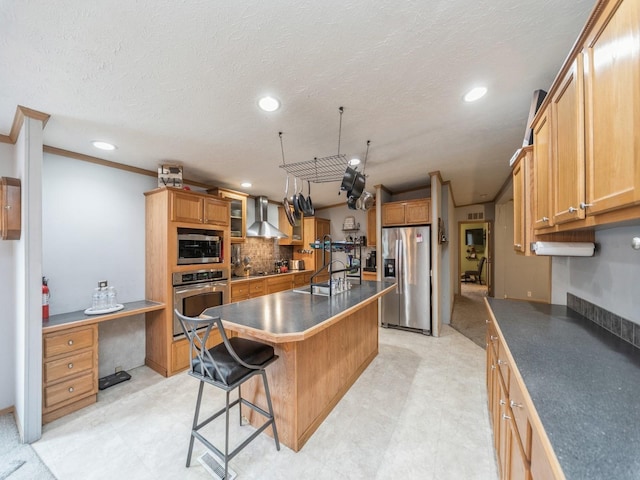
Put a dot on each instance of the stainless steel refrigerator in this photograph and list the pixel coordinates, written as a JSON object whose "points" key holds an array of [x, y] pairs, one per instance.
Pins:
{"points": [[406, 259]]}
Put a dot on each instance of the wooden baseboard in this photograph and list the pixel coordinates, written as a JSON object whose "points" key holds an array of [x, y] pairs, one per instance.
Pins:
{"points": [[61, 412], [156, 366], [10, 409]]}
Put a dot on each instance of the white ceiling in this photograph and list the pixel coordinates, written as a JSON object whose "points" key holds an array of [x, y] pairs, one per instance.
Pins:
{"points": [[171, 81]]}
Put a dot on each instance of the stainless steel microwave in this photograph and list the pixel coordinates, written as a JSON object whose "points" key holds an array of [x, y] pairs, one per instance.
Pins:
{"points": [[197, 246]]}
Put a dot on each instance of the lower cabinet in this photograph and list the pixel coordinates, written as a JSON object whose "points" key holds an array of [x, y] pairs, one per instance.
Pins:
{"points": [[522, 448], [180, 350], [69, 371]]}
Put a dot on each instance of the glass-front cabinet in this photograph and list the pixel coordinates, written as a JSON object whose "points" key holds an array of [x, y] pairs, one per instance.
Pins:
{"points": [[238, 216]]}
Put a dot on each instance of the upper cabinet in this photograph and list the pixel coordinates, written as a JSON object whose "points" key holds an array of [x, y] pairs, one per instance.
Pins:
{"points": [[612, 107], [567, 110], [586, 141], [238, 212], [406, 212], [521, 199], [191, 207], [294, 233], [371, 227]]}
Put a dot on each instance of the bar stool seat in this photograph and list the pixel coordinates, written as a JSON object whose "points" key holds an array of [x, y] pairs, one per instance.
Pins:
{"points": [[227, 366]]}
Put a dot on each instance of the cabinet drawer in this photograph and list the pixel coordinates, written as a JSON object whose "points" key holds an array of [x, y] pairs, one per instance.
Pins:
{"points": [[520, 414], [278, 284], [240, 289], [256, 288], [64, 367], [67, 341], [68, 390]]}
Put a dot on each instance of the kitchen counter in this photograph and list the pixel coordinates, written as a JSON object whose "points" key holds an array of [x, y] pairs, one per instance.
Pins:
{"points": [[240, 278], [324, 344], [292, 316], [584, 383]]}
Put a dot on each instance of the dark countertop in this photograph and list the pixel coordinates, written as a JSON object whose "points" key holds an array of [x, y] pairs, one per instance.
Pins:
{"points": [[293, 316], [76, 319], [585, 385]]}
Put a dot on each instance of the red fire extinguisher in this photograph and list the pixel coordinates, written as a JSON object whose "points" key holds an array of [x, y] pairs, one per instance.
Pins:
{"points": [[45, 299]]}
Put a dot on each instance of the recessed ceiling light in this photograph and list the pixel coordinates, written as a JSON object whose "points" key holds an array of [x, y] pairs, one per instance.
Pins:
{"points": [[269, 104], [475, 94], [103, 145], [354, 161], [245, 184]]}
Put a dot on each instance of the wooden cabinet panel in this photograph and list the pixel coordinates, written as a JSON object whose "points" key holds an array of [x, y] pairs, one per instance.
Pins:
{"points": [[180, 350], [314, 228], [279, 283], [216, 211], [372, 227], [295, 233], [540, 465], [393, 214], [67, 366], [519, 218], [239, 291], [257, 288], [237, 219], [518, 464], [407, 212], [68, 341], [612, 101], [186, 207], [68, 390], [567, 109], [520, 414], [542, 178], [10, 208]]}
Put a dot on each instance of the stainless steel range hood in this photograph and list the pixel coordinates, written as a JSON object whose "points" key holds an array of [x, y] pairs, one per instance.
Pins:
{"points": [[261, 227]]}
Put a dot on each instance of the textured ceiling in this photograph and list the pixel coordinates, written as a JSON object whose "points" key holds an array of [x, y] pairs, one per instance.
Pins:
{"points": [[171, 81]]}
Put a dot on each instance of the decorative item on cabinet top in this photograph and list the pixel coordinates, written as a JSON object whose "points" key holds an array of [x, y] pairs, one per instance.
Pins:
{"points": [[170, 176], [10, 208]]}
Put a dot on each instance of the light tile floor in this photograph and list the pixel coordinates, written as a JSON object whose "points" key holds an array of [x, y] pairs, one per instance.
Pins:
{"points": [[417, 412]]}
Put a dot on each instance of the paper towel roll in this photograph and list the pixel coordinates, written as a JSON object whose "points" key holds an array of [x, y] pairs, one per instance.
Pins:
{"points": [[566, 249]]}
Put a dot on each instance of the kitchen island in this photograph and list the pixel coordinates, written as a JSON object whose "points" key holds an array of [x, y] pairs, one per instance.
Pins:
{"points": [[324, 344]]}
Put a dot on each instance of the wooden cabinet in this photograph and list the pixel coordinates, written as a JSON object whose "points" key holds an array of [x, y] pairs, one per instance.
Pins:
{"points": [[567, 110], [279, 283], [237, 212], [167, 210], [314, 228], [407, 212], [301, 279], [69, 371], [294, 233], [246, 289], [521, 445], [612, 108], [522, 174], [188, 207], [10, 211], [180, 350], [542, 178], [369, 276], [372, 227]]}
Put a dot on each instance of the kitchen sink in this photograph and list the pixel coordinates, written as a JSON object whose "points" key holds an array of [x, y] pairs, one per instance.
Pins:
{"points": [[317, 290]]}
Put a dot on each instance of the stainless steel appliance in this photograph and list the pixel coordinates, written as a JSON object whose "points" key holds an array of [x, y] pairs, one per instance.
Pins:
{"points": [[199, 246], [197, 290], [371, 261], [406, 259], [297, 264]]}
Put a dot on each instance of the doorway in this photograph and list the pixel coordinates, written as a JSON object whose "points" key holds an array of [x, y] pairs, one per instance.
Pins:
{"points": [[475, 258]]}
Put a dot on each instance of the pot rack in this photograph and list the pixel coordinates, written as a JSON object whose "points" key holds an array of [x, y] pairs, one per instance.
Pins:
{"points": [[320, 170]]}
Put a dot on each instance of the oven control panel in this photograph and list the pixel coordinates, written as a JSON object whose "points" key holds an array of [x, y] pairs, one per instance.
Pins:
{"points": [[198, 276]]}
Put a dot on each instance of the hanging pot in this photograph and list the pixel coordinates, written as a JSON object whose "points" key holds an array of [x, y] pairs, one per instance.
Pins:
{"points": [[348, 178], [359, 203], [297, 212], [308, 204], [351, 201], [358, 186], [367, 200]]}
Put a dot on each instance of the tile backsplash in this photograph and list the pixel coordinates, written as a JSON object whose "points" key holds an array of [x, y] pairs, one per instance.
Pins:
{"points": [[261, 252], [623, 328]]}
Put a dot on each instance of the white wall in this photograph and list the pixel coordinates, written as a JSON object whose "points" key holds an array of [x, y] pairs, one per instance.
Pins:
{"points": [[609, 279], [7, 298], [94, 229]]}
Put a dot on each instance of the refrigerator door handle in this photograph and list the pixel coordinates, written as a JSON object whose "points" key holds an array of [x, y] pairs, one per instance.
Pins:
{"points": [[397, 273], [400, 263]]}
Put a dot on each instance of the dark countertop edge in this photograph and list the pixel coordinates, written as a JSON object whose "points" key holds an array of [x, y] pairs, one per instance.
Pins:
{"points": [[277, 338], [78, 318]]}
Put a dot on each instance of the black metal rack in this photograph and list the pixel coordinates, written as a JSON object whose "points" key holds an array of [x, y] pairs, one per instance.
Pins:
{"points": [[328, 248]]}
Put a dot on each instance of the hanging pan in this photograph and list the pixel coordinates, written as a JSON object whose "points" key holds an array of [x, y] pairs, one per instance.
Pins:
{"points": [[287, 205], [310, 211]]}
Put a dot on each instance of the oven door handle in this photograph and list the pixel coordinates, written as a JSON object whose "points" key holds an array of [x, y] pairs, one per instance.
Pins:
{"points": [[206, 287]]}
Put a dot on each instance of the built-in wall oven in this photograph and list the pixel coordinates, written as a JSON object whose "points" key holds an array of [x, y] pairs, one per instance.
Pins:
{"points": [[199, 246], [197, 290]]}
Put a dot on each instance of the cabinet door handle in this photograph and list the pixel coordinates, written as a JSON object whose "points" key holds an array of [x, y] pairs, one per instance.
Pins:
{"points": [[70, 389], [486, 321], [584, 206], [572, 209], [70, 366], [506, 417], [515, 405], [502, 402], [517, 245], [544, 219], [70, 342], [501, 362], [493, 338], [493, 367]]}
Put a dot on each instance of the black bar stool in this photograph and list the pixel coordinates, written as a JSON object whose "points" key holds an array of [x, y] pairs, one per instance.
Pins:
{"points": [[227, 366]]}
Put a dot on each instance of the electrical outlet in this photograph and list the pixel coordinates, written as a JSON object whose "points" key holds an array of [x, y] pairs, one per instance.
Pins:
{"points": [[528, 294], [102, 284], [118, 369]]}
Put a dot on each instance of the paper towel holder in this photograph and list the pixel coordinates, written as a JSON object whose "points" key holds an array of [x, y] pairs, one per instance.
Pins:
{"points": [[564, 249]]}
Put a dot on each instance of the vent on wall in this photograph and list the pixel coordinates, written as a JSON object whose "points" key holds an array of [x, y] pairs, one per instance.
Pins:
{"points": [[475, 216]]}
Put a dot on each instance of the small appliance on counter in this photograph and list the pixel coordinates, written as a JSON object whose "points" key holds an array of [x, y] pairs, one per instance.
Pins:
{"points": [[297, 264], [370, 262]]}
